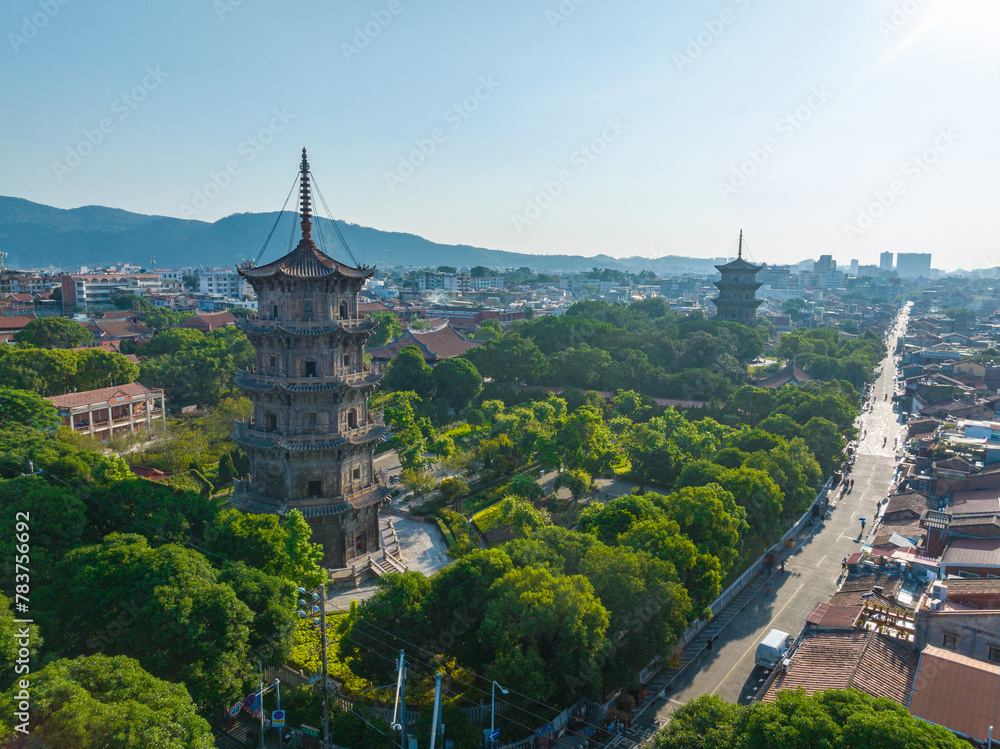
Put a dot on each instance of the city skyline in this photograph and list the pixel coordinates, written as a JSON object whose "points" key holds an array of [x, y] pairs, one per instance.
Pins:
{"points": [[573, 127]]}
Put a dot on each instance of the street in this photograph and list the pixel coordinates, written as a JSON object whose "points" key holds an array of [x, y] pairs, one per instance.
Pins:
{"points": [[812, 571]]}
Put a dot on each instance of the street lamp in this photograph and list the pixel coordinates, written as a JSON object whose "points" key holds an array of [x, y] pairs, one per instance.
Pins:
{"points": [[493, 705]]}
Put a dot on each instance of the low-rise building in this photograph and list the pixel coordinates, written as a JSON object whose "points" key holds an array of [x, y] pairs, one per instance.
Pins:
{"points": [[112, 411]]}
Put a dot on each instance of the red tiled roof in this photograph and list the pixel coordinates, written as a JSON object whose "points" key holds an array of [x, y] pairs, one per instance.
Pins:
{"points": [[441, 343], [88, 397], [956, 692], [119, 314], [973, 552], [833, 616], [152, 474], [126, 328], [209, 320], [787, 375], [14, 323], [866, 661]]}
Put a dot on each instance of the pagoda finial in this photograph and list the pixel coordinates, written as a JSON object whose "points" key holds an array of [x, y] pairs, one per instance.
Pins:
{"points": [[739, 256], [305, 209]]}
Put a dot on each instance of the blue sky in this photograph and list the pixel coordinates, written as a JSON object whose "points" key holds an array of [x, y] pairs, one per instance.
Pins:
{"points": [[580, 126]]}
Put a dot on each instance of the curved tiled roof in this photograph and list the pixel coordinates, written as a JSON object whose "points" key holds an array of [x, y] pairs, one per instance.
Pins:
{"points": [[305, 261]]}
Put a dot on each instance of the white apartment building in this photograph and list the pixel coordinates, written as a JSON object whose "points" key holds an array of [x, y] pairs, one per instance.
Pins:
{"points": [[225, 281], [99, 289]]}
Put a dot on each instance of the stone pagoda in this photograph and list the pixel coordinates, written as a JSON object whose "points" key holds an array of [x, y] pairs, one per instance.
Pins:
{"points": [[311, 438], [737, 300]]}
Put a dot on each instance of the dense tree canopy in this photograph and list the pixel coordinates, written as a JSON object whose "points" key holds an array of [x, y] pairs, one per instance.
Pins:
{"points": [[101, 702], [54, 332], [837, 719], [59, 371], [163, 606]]}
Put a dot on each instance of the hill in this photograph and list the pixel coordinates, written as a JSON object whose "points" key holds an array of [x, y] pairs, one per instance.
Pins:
{"points": [[38, 236]]}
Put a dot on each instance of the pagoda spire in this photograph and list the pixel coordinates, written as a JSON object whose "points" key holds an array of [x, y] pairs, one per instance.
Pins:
{"points": [[305, 209], [739, 256]]}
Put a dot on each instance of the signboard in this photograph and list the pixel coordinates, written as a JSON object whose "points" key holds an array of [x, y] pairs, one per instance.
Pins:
{"points": [[235, 709], [309, 731], [493, 735], [277, 718], [249, 700]]}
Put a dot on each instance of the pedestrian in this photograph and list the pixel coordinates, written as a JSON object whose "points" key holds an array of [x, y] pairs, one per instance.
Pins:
{"points": [[782, 565], [708, 646], [770, 585]]}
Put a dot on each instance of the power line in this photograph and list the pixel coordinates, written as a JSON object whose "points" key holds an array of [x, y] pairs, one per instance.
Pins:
{"points": [[534, 716], [280, 214]]}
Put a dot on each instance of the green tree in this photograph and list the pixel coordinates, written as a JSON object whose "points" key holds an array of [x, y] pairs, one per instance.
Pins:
{"points": [[262, 541], [10, 646], [388, 328], [710, 517], [190, 282], [510, 359], [409, 371], [458, 380], [162, 606], [825, 442], [545, 633], [54, 332], [24, 407], [453, 490], [418, 481], [102, 702]]}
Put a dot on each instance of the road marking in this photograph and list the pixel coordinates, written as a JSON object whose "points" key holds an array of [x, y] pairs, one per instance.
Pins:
{"points": [[821, 559], [853, 514], [754, 645]]}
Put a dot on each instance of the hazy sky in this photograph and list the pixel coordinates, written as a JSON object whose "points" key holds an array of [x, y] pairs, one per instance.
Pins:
{"points": [[580, 126]]}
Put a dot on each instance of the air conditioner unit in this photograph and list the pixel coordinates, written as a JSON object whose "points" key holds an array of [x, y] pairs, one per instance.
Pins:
{"points": [[785, 663]]}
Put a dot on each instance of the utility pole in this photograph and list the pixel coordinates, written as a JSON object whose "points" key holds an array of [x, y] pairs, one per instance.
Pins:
{"points": [[400, 707], [437, 707], [261, 704]]}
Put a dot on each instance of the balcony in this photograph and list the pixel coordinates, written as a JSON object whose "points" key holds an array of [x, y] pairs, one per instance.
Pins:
{"points": [[307, 327], [245, 376]]}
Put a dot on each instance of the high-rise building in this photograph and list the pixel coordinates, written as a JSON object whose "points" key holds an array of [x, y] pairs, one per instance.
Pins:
{"points": [[311, 438], [885, 261], [737, 300], [825, 264], [854, 267], [913, 264]]}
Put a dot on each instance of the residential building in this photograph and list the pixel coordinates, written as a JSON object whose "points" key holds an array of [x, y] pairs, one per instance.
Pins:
{"points": [[885, 261], [100, 289], [112, 411], [224, 281], [209, 321], [913, 264]]}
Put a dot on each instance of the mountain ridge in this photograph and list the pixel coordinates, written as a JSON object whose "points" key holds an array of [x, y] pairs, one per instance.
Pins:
{"points": [[36, 236]]}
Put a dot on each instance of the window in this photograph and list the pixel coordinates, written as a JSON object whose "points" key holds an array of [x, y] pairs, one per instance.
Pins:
{"points": [[352, 419], [274, 362], [315, 489], [274, 311], [312, 419], [357, 474], [347, 360], [307, 310], [343, 311], [272, 423], [310, 369], [950, 642], [994, 655]]}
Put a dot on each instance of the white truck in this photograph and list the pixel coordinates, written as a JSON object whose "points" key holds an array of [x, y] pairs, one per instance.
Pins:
{"points": [[773, 649]]}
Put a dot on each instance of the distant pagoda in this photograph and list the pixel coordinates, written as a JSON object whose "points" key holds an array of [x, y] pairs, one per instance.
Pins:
{"points": [[311, 438], [737, 300]]}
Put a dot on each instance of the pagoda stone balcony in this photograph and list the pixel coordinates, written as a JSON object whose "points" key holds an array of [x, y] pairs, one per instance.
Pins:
{"points": [[305, 327], [255, 381]]}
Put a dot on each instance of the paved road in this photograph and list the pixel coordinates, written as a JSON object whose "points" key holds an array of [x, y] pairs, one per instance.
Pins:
{"points": [[812, 572]]}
